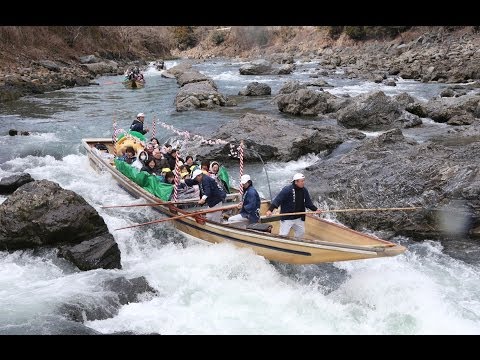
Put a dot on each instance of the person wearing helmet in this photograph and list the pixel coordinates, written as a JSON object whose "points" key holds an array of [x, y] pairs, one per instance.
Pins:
{"points": [[211, 193], [137, 124], [293, 198], [250, 205]]}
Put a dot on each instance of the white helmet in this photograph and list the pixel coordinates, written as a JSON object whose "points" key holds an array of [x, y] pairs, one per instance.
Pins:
{"points": [[298, 176], [140, 114], [196, 173], [244, 179]]}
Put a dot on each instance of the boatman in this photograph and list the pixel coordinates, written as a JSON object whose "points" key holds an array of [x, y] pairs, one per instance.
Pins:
{"points": [[211, 193], [293, 198], [137, 124], [250, 205]]}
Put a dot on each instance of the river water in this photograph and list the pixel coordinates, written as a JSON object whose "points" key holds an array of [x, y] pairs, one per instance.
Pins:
{"points": [[203, 288]]}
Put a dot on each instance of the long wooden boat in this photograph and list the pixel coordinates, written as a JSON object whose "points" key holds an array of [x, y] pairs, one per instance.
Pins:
{"points": [[324, 241], [133, 84]]}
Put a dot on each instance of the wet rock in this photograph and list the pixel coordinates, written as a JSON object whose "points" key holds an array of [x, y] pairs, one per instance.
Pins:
{"points": [[11, 183], [291, 86], [120, 291], [41, 213], [256, 89], [101, 252], [390, 171]]}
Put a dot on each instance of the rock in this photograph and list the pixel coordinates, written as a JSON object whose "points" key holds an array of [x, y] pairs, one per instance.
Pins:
{"points": [[50, 65], [100, 68], [41, 213], [100, 252], [198, 95], [193, 76], [256, 67], [88, 59], [256, 89], [82, 81], [121, 291], [392, 171], [269, 137], [291, 86], [373, 111], [304, 102], [447, 93], [11, 183]]}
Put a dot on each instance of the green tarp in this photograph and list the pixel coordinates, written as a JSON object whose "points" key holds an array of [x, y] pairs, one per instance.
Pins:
{"points": [[145, 180], [133, 133], [223, 175]]}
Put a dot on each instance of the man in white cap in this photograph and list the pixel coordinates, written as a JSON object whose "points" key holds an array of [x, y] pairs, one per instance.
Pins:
{"points": [[250, 205], [293, 198], [210, 193], [137, 124]]}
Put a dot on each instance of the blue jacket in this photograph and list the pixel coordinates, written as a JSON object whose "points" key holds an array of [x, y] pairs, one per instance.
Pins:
{"points": [[137, 126], [210, 188], [286, 200], [251, 205]]}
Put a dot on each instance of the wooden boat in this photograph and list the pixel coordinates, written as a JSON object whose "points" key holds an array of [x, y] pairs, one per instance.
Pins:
{"points": [[134, 84], [324, 241]]}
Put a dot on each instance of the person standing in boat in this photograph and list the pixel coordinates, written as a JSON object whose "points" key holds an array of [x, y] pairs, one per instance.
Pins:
{"points": [[250, 206], [293, 198], [211, 193], [137, 124]]}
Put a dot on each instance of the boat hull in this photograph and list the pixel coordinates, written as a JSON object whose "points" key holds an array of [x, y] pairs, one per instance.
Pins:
{"points": [[133, 84]]}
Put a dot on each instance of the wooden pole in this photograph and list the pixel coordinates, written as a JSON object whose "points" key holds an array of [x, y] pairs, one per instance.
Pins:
{"points": [[319, 211], [151, 204], [181, 216]]}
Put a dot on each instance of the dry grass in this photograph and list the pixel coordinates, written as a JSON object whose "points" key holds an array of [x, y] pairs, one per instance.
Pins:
{"points": [[20, 44]]}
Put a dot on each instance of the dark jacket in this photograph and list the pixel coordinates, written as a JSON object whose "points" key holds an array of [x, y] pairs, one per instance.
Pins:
{"points": [[288, 199], [137, 126], [148, 169], [210, 188], [251, 205]]}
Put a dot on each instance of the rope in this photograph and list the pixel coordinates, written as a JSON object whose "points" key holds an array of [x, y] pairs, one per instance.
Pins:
{"points": [[153, 128], [241, 166], [177, 177]]}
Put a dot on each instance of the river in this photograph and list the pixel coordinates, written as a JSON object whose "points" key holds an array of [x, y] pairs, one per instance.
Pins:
{"points": [[203, 288]]}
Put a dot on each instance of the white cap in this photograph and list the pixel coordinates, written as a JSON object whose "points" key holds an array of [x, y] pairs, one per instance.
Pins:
{"points": [[196, 173], [298, 176], [140, 114], [244, 179]]}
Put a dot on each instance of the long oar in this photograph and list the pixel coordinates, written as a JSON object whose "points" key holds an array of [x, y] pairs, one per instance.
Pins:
{"points": [[276, 217], [152, 204], [181, 216]]}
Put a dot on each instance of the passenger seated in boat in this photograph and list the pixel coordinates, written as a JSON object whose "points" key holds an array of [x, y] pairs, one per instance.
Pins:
{"points": [[129, 156], [160, 161], [214, 172], [155, 142], [149, 149], [249, 207], [205, 166], [149, 166], [169, 178]]}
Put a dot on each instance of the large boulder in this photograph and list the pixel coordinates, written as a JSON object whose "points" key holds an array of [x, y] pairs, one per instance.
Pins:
{"points": [[42, 213], [373, 111], [256, 67], [304, 102], [193, 76], [99, 253], [268, 137], [11, 183], [198, 95], [390, 171], [256, 89]]}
